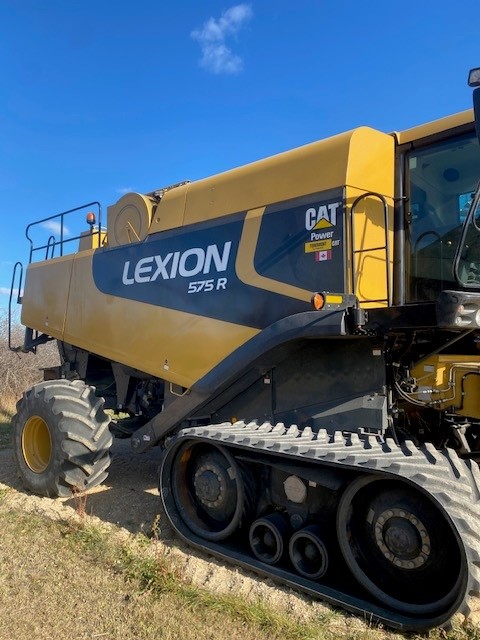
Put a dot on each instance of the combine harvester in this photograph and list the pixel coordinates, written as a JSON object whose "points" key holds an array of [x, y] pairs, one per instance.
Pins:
{"points": [[301, 337]]}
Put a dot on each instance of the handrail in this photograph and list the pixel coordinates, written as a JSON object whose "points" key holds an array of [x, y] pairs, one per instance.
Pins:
{"points": [[50, 245], [385, 247], [19, 300], [60, 217]]}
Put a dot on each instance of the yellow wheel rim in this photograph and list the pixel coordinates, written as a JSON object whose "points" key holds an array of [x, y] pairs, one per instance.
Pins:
{"points": [[36, 444]]}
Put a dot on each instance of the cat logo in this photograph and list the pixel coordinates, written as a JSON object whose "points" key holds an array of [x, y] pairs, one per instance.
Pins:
{"points": [[321, 217]]}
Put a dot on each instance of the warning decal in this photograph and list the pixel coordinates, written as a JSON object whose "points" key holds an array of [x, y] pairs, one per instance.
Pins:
{"points": [[321, 245]]}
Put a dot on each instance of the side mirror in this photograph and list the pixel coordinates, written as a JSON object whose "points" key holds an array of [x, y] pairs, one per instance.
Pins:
{"points": [[474, 77]]}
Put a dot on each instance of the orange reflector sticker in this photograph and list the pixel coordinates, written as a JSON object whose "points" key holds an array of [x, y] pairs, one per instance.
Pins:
{"points": [[318, 301]]}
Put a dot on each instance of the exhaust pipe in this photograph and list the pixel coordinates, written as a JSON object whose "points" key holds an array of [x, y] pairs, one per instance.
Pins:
{"points": [[308, 552], [267, 538]]}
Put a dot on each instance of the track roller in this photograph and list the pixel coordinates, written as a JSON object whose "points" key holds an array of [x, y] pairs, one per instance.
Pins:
{"points": [[267, 538], [308, 552]]}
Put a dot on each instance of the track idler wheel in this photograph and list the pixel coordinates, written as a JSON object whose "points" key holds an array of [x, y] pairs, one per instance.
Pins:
{"points": [[207, 488], [267, 538], [401, 546], [308, 552]]}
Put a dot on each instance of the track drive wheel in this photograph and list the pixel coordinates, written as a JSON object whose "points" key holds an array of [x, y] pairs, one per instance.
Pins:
{"points": [[207, 490], [61, 439], [401, 546]]}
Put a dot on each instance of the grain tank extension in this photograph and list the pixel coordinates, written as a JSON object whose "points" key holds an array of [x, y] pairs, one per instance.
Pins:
{"points": [[300, 338]]}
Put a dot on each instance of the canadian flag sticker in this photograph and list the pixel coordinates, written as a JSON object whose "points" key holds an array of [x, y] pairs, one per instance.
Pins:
{"points": [[323, 255]]}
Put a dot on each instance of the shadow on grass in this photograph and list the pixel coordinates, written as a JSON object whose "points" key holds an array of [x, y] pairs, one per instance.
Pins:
{"points": [[129, 497]]}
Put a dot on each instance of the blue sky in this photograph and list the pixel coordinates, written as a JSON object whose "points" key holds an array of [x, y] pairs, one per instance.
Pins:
{"points": [[99, 98]]}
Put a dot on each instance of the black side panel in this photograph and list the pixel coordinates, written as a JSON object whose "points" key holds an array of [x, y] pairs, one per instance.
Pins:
{"points": [[328, 384], [241, 369], [303, 369]]}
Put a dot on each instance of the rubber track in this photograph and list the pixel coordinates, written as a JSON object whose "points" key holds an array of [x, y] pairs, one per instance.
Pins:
{"points": [[451, 482]]}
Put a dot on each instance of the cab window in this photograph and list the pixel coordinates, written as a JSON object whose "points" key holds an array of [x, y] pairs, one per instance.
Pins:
{"points": [[440, 181]]}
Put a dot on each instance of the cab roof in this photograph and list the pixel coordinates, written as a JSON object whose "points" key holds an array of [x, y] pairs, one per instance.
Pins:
{"points": [[437, 126]]}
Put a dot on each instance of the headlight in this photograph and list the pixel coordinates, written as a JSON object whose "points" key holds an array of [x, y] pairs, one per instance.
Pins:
{"points": [[458, 310]]}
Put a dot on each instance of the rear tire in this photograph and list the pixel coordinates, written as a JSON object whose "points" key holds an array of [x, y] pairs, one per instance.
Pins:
{"points": [[61, 439]]}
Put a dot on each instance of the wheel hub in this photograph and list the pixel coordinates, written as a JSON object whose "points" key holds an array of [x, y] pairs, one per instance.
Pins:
{"points": [[311, 552], [402, 538], [268, 539], [36, 444], [209, 487]]}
